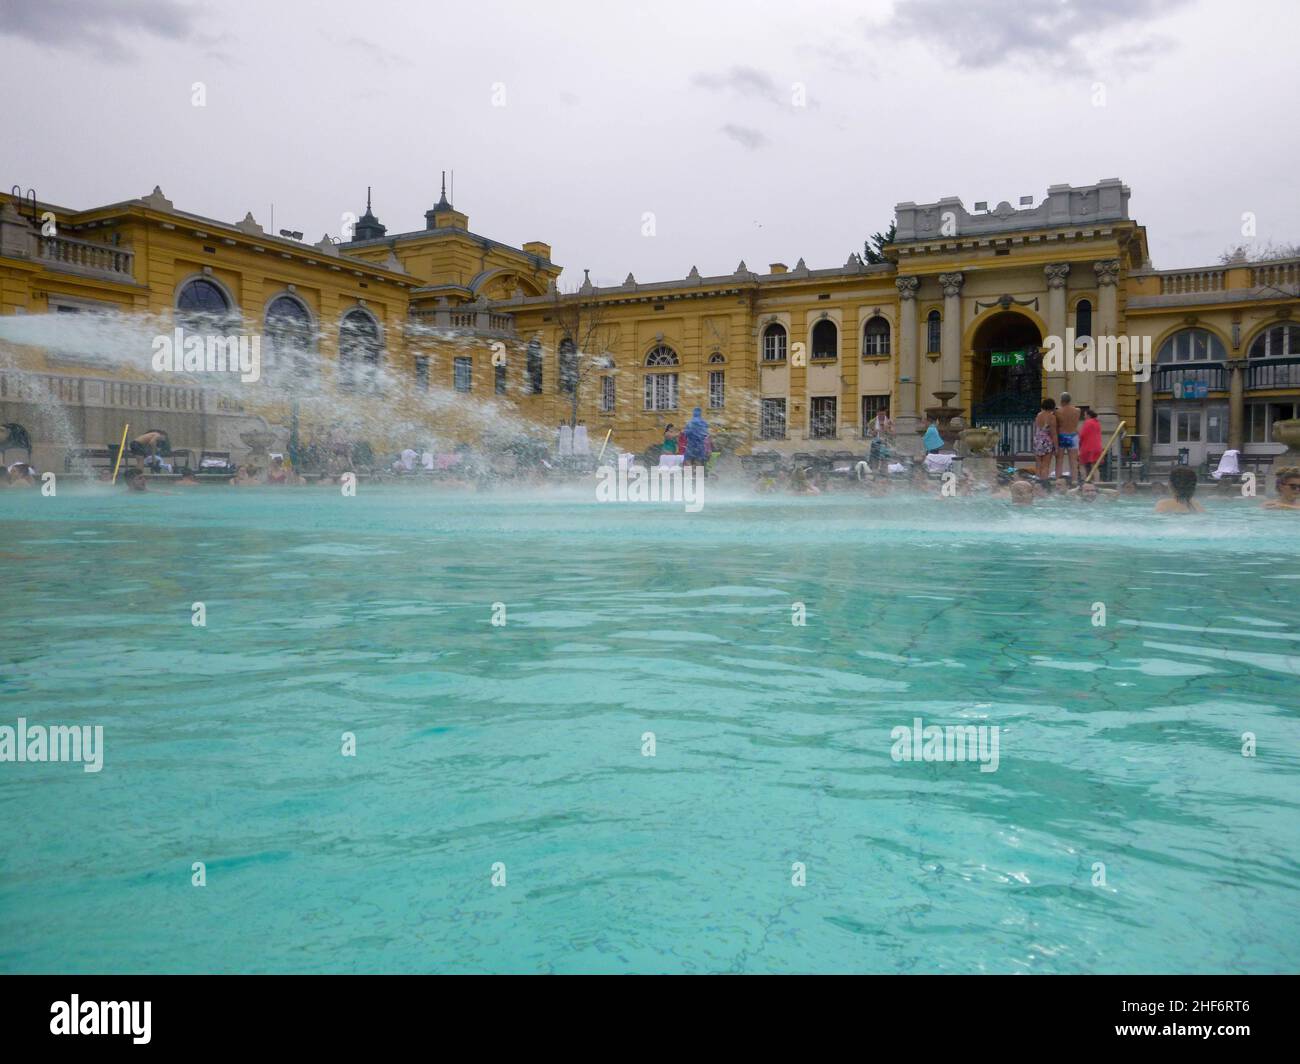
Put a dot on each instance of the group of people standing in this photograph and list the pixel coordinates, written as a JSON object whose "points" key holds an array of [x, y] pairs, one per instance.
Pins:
{"points": [[692, 442], [1071, 434]]}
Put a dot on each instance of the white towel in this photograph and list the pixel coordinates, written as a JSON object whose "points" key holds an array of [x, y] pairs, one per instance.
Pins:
{"points": [[938, 463], [671, 461], [1227, 466], [426, 460], [897, 467]]}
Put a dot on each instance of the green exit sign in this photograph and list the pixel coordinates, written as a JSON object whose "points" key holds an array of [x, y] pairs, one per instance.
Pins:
{"points": [[1008, 358]]}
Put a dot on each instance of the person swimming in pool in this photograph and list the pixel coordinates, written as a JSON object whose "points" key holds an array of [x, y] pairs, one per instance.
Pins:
{"points": [[1067, 437], [1288, 490], [1182, 485]]}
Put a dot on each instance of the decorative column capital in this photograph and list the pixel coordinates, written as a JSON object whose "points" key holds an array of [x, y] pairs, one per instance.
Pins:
{"points": [[907, 286], [1107, 271], [1237, 365], [951, 284], [1056, 273]]}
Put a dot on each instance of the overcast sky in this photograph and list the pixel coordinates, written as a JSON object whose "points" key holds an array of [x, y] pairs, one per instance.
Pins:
{"points": [[687, 110]]}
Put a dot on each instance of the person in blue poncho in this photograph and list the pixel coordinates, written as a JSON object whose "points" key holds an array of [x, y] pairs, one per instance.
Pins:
{"points": [[696, 432], [932, 440]]}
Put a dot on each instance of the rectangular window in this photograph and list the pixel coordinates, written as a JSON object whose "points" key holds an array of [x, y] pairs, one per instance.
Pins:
{"points": [[1216, 423], [717, 389], [772, 423], [606, 394], [871, 406], [422, 372], [499, 373], [822, 420], [1188, 426], [463, 370], [1163, 423], [661, 391]]}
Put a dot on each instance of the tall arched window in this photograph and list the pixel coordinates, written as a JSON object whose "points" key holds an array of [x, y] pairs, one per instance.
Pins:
{"points": [[875, 336], [825, 339], [933, 332], [1190, 345], [289, 336], [359, 346], [1082, 319], [717, 381], [535, 372], [202, 305], [661, 388], [568, 382], [1281, 341], [774, 343]]}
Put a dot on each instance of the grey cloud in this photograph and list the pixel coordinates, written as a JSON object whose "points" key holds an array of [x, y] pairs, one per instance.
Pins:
{"points": [[97, 25], [989, 33], [745, 81], [744, 136]]}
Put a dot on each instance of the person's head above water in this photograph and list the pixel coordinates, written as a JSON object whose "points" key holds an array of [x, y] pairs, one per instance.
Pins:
{"points": [[1182, 482], [1049, 403], [1022, 493], [1065, 399]]}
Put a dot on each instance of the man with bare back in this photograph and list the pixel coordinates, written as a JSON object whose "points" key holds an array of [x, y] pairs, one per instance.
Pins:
{"points": [[1067, 428]]}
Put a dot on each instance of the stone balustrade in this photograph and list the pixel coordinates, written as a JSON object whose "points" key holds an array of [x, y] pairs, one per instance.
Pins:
{"points": [[1187, 282], [83, 256]]}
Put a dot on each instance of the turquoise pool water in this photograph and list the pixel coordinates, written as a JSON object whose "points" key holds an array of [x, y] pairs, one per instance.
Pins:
{"points": [[522, 744]]}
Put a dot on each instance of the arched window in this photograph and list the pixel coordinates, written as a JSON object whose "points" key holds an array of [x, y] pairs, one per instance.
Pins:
{"points": [[875, 336], [933, 330], [717, 357], [661, 388], [289, 336], [825, 339], [1190, 345], [1281, 341], [568, 383], [203, 305], [774, 343], [1082, 319], [662, 355], [535, 371], [358, 346]]}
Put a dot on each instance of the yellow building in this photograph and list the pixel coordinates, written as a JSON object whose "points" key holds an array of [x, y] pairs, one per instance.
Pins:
{"points": [[789, 359]]}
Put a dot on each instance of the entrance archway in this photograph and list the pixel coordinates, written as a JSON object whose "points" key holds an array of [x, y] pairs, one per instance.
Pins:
{"points": [[1007, 378]]}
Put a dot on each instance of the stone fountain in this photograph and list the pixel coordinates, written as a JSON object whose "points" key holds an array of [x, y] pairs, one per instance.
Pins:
{"points": [[1288, 432], [982, 463], [944, 415]]}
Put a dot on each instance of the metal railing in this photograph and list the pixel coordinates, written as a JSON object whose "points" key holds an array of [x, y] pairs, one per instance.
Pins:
{"points": [[1214, 375], [1272, 373]]}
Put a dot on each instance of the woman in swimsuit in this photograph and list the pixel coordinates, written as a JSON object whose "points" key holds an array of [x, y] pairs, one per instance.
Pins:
{"points": [[1045, 437]]}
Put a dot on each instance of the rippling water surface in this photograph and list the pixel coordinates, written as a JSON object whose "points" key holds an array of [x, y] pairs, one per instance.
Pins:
{"points": [[522, 744]]}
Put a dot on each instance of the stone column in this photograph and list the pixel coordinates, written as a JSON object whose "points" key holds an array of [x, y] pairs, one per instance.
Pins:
{"points": [[1056, 273], [1236, 403], [950, 337], [1105, 396], [905, 417]]}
